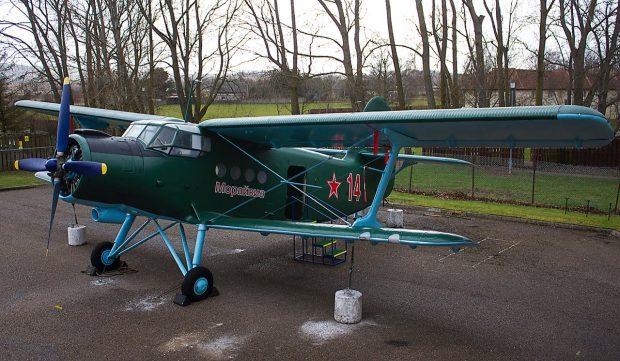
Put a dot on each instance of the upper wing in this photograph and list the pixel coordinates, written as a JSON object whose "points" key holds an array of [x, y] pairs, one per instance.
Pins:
{"points": [[549, 126], [91, 118]]}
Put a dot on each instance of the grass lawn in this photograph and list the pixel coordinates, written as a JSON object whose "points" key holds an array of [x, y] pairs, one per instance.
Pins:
{"points": [[233, 110], [10, 179], [542, 214], [496, 183]]}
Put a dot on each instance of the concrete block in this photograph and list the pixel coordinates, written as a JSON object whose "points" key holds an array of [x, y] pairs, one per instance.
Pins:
{"points": [[394, 218], [76, 235], [348, 306]]}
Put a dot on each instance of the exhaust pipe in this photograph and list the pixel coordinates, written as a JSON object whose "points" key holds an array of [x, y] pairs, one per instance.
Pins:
{"points": [[108, 215]]}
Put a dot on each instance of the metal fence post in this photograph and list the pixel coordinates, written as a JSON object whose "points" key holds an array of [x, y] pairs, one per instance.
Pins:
{"points": [[410, 177], [473, 175], [617, 195], [534, 173]]}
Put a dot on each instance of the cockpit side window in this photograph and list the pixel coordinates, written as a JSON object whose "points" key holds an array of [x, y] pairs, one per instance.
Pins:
{"points": [[147, 135], [163, 138], [173, 139], [133, 131]]}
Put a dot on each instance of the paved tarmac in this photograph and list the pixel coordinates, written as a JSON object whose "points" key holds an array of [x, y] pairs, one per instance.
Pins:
{"points": [[529, 292]]}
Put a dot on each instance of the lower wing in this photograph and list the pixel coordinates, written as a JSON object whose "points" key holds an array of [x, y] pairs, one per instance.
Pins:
{"points": [[409, 237]]}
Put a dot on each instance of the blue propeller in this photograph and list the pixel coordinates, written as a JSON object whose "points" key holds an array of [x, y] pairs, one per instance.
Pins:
{"points": [[62, 163]]}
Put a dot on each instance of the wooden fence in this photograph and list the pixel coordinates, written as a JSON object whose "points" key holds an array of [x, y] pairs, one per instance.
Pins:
{"points": [[19, 146], [608, 156]]}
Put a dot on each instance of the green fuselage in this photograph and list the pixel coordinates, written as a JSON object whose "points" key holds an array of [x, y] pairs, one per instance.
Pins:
{"points": [[226, 181]]}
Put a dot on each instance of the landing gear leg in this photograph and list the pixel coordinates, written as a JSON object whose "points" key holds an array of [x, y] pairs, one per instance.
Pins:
{"points": [[198, 281], [104, 256]]}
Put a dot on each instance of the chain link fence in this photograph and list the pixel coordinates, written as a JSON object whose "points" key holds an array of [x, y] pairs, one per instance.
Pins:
{"points": [[574, 188]]}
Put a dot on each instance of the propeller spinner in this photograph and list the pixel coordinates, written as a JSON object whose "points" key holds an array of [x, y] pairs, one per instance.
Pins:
{"points": [[65, 165]]}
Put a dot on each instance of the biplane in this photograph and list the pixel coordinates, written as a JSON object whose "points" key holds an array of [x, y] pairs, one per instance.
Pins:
{"points": [[272, 175]]}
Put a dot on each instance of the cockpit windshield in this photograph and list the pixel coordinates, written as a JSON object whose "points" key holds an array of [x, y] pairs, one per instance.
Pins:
{"points": [[173, 139]]}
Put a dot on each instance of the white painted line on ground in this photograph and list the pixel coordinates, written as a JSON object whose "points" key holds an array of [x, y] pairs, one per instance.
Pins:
{"points": [[462, 251], [495, 255], [320, 332]]}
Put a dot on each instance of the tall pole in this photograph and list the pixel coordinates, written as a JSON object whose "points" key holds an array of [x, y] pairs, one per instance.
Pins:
{"points": [[534, 174], [190, 95], [617, 195]]}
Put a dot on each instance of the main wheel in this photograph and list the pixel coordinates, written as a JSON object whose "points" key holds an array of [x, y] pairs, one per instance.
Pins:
{"points": [[100, 260], [197, 284]]}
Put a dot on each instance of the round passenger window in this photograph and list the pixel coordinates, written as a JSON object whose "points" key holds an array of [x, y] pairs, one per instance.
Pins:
{"points": [[220, 170], [235, 172], [249, 175], [261, 177]]}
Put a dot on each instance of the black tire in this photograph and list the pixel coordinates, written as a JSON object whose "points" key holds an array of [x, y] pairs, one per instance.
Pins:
{"points": [[191, 290], [97, 261]]}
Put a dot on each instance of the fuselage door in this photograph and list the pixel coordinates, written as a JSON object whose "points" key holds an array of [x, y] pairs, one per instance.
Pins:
{"points": [[295, 197]]}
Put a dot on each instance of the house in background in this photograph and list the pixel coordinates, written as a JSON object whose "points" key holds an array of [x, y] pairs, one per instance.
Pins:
{"points": [[232, 91], [556, 87]]}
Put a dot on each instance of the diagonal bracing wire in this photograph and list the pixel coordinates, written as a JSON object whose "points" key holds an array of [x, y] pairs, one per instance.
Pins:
{"points": [[285, 181]]}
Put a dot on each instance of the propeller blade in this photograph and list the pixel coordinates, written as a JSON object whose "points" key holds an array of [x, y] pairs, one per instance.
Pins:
{"points": [[31, 164], [62, 135], [87, 168], [55, 196]]}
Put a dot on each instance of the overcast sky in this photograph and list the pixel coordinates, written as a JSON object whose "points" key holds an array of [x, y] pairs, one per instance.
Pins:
{"points": [[404, 16], [310, 17]]}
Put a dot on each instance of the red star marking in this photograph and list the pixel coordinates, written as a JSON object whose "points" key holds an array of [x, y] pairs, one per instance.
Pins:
{"points": [[333, 186]]}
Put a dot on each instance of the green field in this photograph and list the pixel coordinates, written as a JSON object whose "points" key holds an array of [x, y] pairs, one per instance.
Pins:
{"points": [[496, 183], [510, 210], [9, 179], [233, 110]]}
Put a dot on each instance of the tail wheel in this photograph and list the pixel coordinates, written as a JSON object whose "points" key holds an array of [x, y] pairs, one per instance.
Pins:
{"points": [[100, 260], [197, 284]]}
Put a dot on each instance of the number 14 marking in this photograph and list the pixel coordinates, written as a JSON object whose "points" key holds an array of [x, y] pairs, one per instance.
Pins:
{"points": [[354, 187]]}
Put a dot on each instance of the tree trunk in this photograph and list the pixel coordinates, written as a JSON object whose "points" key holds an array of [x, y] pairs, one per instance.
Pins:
{"points": [[481, 85], [540, 58], [426, 67], [397, 75], [456, 91]]}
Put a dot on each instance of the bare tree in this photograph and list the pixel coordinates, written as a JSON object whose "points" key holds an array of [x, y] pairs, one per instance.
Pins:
{"points": [[184, 26], [478, 60], [577, 17], [346, 16], [266, 24], [607, 52], [456, 91], [379, 77], [440, 34], [503, 38], [9, 114], [540, 56], [45, 48], [397, 76], [426, 65]]}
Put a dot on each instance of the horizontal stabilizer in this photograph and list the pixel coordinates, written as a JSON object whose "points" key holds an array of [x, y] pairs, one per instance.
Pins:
{"points": [[408, 158], [374, 235]]}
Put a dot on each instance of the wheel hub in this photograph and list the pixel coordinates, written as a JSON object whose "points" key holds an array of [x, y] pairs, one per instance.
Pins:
{"points": [[105, 259], [201, 285]]}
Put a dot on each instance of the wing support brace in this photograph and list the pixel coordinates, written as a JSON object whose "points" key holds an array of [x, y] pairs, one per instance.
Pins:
{"points": [[121, 243], [396, 139]]}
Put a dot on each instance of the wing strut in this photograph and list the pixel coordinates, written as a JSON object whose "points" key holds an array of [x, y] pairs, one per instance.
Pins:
{"points": [[396, 139]]}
